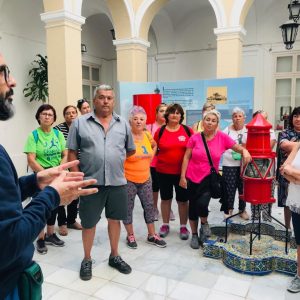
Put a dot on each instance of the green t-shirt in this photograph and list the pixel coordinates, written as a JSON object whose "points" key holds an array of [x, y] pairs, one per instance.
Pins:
{"points": [[48, 148]]}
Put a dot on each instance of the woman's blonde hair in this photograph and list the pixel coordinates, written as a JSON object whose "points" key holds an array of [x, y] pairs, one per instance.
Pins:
{"points": [[212, 112]]}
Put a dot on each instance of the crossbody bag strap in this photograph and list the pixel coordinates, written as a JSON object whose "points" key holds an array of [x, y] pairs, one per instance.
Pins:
{"points": [[207, 151]]}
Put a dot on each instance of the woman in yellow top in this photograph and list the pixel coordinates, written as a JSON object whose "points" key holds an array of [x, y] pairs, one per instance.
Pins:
{"points": [[198, 126], [137, 173]]}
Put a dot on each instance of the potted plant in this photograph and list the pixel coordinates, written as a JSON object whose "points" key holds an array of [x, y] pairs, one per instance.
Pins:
{"points": [[37, 88]]}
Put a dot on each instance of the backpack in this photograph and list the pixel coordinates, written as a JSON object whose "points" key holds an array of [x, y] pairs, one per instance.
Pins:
{"points": [[36, 135], [162, 129]]}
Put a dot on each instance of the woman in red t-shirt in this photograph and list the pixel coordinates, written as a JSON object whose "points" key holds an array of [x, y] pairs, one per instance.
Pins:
{"points": [[171, 140]]}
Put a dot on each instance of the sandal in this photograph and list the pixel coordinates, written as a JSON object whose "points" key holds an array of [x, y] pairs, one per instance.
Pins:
{"points": [[63, 231]]}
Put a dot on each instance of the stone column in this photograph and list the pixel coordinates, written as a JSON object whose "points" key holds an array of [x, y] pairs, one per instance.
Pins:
{"points": [[63, 36], [229, 51], [131, 59]]}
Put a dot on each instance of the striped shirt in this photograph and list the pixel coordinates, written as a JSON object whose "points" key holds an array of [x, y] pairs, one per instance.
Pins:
{"points": [[64, 128]]}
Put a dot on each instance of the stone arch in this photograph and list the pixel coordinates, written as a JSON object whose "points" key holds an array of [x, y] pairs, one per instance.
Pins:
{"points": [[145, 15], [219, 12], [239, 12], [122, 18]]}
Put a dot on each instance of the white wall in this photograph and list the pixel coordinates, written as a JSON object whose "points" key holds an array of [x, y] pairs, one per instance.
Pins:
{"points": [[22, 36]]}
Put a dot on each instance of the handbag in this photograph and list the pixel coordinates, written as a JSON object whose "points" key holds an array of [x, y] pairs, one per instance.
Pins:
{"points": [[215, 182], [30, 283]]}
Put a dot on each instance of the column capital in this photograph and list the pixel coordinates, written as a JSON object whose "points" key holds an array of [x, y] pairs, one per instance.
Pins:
{"points": [[233, 30], [131, 41], [62, 15]]}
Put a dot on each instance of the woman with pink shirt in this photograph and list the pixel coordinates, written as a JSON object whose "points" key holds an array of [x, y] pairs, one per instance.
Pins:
{"points": [[159, 121], [195, 171]]}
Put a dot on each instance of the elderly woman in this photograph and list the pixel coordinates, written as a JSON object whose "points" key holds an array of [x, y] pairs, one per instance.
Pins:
{"points": [[195, 171], [290, 170], [286, 141], [46, 148], [159, 121], [137, 173], [83, 106], [171, 141], [67, 220], [232, 161]]}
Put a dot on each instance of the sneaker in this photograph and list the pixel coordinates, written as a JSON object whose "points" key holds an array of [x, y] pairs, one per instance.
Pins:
{"points": [[54, 240], [184, 233], [164, 231], [206, 230], [86, 269], [195, 241], [294, 285], [172, 216], [244, 215], [41, 247], [118, 263], [156, 240], [202, 237], [130, 241]]}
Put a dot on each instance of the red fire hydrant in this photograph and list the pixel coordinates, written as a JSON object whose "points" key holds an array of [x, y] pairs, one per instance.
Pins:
{"points": [[259, 174]]}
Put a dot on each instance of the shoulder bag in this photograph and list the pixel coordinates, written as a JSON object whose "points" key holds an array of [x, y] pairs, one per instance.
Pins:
{"points": [[216, 182]]}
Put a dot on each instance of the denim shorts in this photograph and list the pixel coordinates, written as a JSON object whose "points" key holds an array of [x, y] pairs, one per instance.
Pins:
{"points": [[112, 198]]}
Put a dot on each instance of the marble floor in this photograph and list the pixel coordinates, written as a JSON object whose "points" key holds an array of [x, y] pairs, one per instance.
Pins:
{"points": [[175, 272]]}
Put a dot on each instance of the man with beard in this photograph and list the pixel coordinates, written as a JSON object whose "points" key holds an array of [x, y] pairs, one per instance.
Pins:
{"points": [[19, 227]]}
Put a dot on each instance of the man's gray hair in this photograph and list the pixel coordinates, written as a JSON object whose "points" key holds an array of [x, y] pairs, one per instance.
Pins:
{"points": [[103, 87], [238, 110]]}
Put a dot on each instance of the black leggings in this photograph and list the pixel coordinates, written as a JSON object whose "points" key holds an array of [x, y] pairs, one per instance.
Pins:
{"points": [[199, 197]]}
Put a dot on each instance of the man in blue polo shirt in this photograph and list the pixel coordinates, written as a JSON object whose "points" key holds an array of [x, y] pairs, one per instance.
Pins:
{"points": [[104, 140]]}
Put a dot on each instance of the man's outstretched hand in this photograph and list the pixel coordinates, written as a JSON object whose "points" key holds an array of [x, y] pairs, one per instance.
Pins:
{"points": [[69, 185]]}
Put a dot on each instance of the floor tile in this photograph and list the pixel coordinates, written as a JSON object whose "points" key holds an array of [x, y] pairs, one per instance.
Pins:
{"points": [[143, 295], [184, 291], [216, 295], [204, 279], [104, 271], [48, 290], [134, 279], [68, 294], [88, 287], [114, 291], [233, 286], [258, 292], [159, 285], [62, 277]]}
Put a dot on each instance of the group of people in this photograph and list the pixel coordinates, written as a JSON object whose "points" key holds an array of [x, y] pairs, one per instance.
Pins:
{"points": [[119, 160]]}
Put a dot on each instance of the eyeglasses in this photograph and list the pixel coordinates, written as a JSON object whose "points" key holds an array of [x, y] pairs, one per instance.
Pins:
{"points": [[6, 72], [47, 115]]}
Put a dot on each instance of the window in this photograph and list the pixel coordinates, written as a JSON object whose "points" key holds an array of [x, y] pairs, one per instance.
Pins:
{"points": [[287, 84], [90, 80]]}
